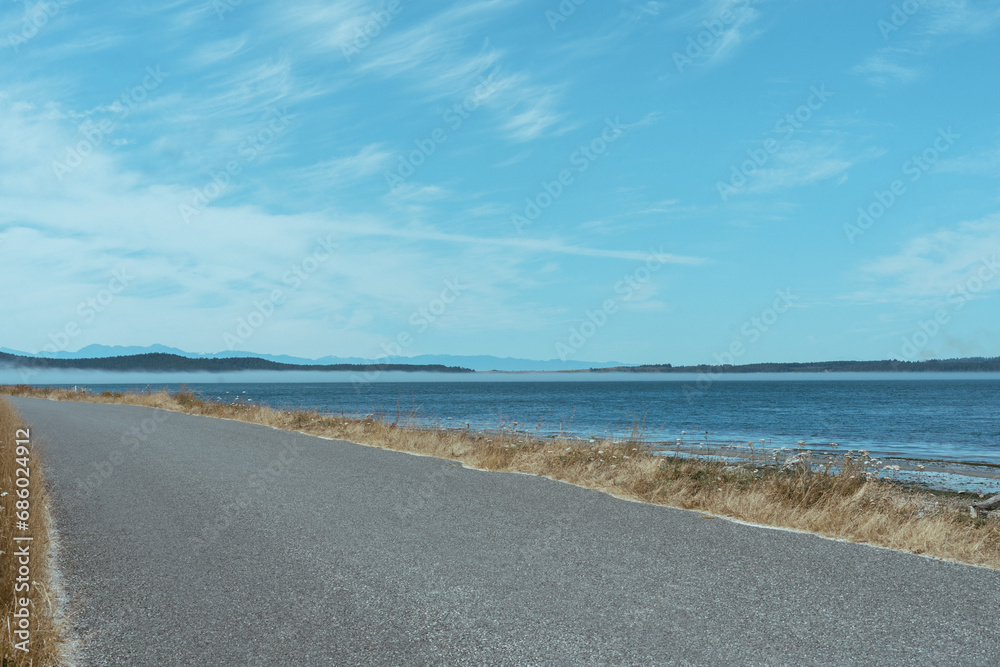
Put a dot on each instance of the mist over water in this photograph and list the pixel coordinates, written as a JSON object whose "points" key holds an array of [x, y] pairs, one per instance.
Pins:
{"points": [[945, 416]]}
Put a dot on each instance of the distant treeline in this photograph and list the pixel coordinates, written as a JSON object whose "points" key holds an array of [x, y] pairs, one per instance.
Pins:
{"points": [[159, 362], [969, 364]]}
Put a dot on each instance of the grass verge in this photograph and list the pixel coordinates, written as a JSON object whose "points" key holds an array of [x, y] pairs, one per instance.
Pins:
{"points": [[845, 501], [34, 628]]}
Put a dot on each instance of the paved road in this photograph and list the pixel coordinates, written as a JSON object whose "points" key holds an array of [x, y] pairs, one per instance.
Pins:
{"points": [[213, 542]]}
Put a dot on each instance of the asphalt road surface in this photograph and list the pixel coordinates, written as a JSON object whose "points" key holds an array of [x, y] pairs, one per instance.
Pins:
{"points": [[198, 541]]}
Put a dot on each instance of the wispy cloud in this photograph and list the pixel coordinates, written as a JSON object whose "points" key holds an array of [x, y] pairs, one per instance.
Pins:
{"points": [[717, 29], [883, 68], [960, 17], [513, 159], [807, 164], [343, 170], [930, 267], [216, 52], [433, 59], [329, 27], [979, 163], [530, 116]]}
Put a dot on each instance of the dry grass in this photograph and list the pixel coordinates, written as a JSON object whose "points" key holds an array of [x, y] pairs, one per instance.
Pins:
{"points": [[47, 623], [843, 502]]}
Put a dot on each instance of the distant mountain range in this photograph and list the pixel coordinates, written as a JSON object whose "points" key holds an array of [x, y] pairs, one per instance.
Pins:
{"points": [[476, 363], [165, 359]]}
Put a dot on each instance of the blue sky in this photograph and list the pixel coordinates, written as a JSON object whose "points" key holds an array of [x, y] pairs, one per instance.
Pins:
{"points": [[647, 182]]}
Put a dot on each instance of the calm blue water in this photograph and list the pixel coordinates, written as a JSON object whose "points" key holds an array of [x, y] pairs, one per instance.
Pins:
{"points": [[956, 419]]}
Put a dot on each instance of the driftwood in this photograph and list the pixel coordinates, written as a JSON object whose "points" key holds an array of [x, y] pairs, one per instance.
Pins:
{"points": [[988, 505]]}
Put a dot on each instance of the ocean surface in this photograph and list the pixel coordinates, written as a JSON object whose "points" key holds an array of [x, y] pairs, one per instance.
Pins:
{"points": [[951, 418]]}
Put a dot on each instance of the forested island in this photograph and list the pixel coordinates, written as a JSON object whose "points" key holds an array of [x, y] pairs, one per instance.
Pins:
{"points": [[965, 365], [160, 362]]}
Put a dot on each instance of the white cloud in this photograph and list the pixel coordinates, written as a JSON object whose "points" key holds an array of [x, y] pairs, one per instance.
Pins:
{"points": [[928, 268], [329, 26], [717, 30], [533, 118], [980, 163], [804, 164], [434, 61], [882, 68], [193, 281], [960, 17], [214, 53], [343, 170]]}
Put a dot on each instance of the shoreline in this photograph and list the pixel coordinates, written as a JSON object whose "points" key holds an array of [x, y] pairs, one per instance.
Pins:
{"points": [[937, 474], [954, 474], [853, 502]]}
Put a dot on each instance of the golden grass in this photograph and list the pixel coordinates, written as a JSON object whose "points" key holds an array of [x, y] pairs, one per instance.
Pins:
{"points": [[47, 624], [842, 502]]}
